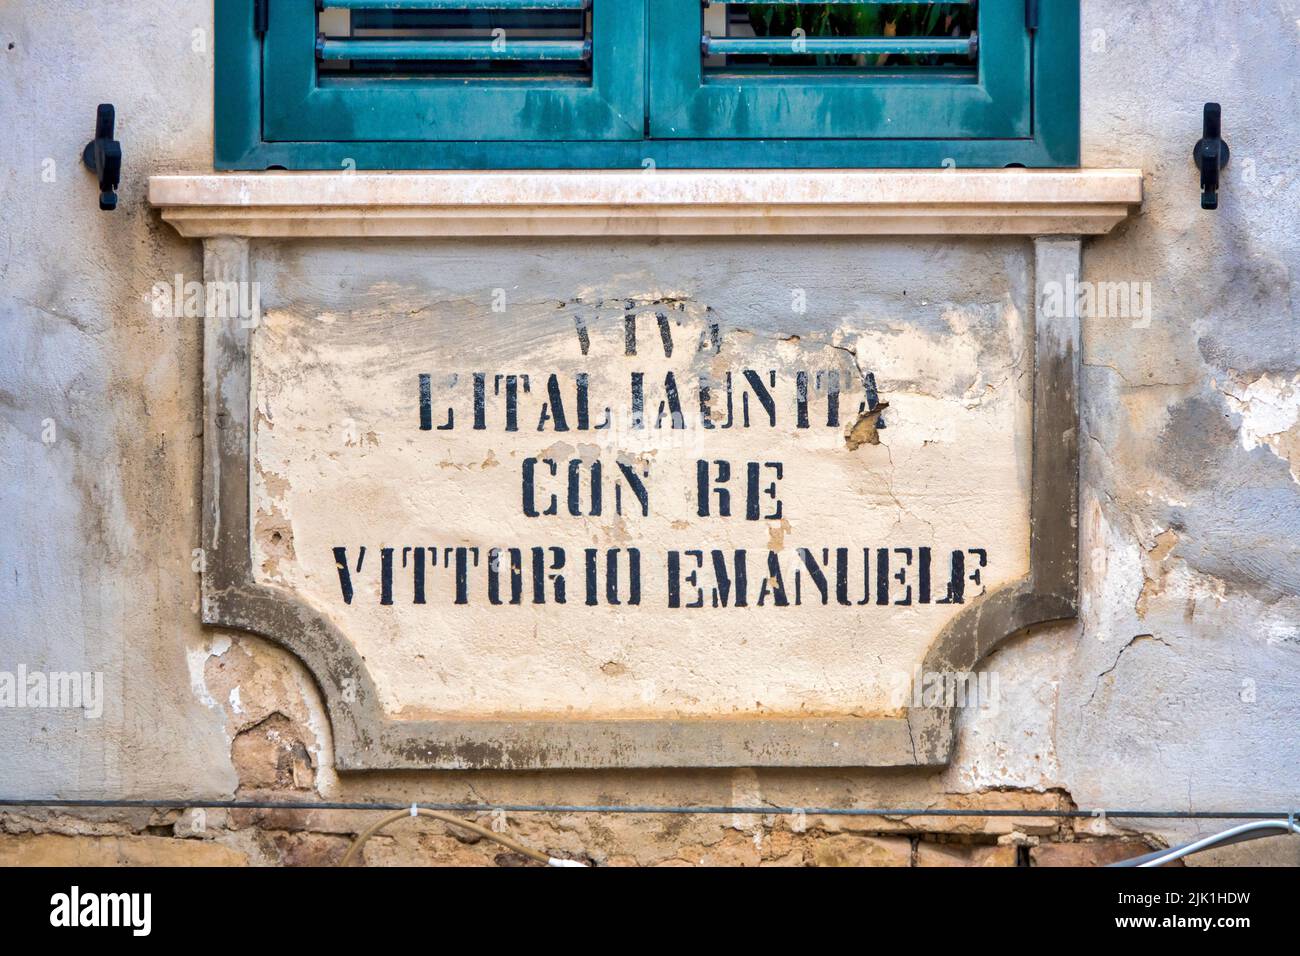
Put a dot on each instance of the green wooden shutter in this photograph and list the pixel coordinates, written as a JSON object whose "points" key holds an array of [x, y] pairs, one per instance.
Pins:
{"points": [[452, 70], [738, 70], [632, 82]]}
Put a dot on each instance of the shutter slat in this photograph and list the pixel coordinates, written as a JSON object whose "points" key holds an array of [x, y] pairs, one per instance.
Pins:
{"points": [[458, 5], [457, 50], [786, 46], [801, 33], [823, 3], [391, 38]]}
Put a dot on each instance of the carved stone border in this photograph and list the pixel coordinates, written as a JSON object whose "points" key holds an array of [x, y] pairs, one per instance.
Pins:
{"points": [[687, 202], [366, 739]]}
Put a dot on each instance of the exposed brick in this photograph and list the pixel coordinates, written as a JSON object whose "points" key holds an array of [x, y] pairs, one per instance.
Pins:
{"points": [[956, 854], [318, 821], [784, 848], [420, 844], [1091, 853], [976, 825], [736, 848], [271, 755], [309, 849], [849, 850], [57, 849]]}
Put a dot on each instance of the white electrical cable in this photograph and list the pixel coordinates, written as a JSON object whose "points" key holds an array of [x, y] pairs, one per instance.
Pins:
{"points": [[1286, 826]]}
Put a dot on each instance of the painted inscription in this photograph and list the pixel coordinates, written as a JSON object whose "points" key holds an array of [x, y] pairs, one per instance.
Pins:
{"points": [[749, 399], [633, 507]]}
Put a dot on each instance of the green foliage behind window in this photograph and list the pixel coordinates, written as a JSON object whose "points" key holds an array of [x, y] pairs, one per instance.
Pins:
{"points": [[864, 19]]}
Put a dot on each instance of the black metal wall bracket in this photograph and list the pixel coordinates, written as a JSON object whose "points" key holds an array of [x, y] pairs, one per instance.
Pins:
{"points": [[103, 156], [1211, 155]]}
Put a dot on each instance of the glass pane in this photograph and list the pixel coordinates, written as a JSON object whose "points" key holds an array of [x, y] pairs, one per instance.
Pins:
{"points": [[844, 37]]}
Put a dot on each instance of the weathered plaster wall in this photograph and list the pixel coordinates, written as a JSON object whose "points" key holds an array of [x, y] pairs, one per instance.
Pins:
{"points": [[1177, 688], [98, 524], [1191, 501]]}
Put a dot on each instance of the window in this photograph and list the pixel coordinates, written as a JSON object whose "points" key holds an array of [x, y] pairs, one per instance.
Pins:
{"points": [[427, 84], [405, 70]]}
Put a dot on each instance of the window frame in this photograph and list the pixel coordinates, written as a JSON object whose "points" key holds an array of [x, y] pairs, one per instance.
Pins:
{"points": [[685, 104], [239, 143], [609, 107]]}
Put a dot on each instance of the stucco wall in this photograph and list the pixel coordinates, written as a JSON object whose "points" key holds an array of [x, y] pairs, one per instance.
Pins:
{"points": [[1177, 688]]}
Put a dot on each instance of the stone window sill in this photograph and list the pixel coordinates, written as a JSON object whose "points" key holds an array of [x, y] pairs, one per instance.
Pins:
{"points": [[1006, 202]]}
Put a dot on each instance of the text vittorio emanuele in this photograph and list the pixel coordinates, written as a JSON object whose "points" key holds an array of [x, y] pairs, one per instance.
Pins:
{"points": [[585, 488]]}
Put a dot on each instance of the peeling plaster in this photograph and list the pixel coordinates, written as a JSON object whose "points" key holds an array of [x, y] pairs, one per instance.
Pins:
{"points": [[1269, 407]]}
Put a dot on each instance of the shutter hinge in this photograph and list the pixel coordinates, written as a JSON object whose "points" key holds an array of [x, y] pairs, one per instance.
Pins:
{"points": [[1031, 15], [261, 16]]}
